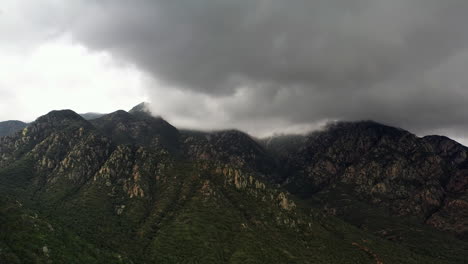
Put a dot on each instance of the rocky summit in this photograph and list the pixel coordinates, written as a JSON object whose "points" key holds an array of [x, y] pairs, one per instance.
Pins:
{"points": [[127, 187]]}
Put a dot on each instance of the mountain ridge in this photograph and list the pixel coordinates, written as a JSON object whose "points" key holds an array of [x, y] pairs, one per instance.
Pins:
{"points": [[8, 128], [230, 198]]}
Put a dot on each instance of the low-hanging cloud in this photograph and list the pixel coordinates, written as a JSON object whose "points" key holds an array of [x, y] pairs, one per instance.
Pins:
{"points": [[290, 63]]}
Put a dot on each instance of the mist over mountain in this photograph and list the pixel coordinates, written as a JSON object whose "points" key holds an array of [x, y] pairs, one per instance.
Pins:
{"points": [[128, 187], [91, 115], [8, 128], [271, 131], [256, 65]]}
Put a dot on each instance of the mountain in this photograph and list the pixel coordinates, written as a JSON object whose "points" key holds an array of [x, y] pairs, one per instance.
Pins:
{"points": [[142, 108], [91, 115], [392, 169], [8, 128], [128, 187]]}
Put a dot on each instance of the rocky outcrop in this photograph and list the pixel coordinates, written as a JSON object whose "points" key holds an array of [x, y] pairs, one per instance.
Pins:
{"points": [[386, 166], [231, 147], [134, 183]]}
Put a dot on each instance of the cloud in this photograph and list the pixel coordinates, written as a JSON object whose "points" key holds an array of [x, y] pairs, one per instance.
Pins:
{"points": [[61, 74], [266, 65]]}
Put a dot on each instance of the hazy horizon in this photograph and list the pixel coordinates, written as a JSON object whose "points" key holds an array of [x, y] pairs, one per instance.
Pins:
{"points": [[280, 132]]}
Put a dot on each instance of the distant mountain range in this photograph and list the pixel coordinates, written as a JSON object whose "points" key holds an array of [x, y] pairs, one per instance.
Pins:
{"points": [[91, 115], [127, 187], [8, 128]]}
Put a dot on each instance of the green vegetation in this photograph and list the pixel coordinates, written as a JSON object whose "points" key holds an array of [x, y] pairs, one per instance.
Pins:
{"points": [[80, 194], [27, 237]]}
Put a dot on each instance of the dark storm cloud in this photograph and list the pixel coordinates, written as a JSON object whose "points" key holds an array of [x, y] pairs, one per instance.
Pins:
{"points": [[403, 62]]}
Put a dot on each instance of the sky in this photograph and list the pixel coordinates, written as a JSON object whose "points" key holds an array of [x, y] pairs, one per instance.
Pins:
{"points": [[262, 66]]}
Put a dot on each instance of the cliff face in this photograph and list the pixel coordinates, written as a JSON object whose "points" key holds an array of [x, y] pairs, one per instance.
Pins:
{"points": [[131, 188]]}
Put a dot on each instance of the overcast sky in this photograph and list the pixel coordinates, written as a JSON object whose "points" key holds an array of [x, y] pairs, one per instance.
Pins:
{"points": [[262, 66]]}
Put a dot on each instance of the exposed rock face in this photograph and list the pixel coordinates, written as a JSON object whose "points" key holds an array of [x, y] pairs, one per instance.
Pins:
{"points": [[453, 214], [231, 147], [451, 151], [387, 166], [178, 195]]}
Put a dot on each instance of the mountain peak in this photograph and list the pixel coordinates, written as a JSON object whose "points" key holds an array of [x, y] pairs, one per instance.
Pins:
{"points": [[60, 115], [357, 124], [59, 119], [364, 127], [143, 107], [127, 172], [119, 114]]}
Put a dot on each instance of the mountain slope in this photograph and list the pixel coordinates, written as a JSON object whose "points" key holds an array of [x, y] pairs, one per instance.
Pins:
{"points": [[137, 127], [131, 188], [385, 167], [8, 128]]}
